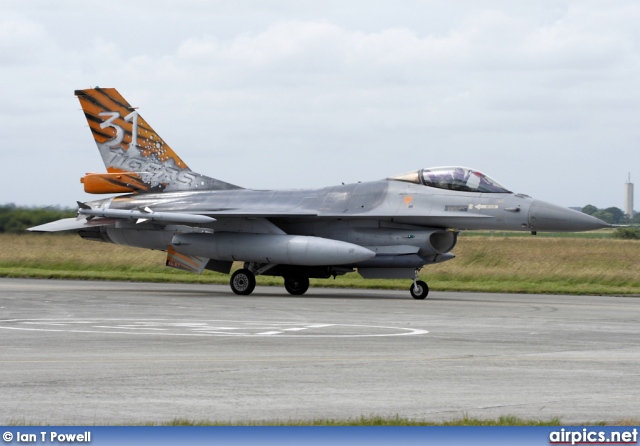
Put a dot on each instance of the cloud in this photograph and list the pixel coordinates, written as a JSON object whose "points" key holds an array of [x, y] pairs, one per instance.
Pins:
{"points": [[20, 40], [387, 91]]}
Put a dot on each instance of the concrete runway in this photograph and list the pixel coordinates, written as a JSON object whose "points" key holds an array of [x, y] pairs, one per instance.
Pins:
{"points": [[74, 352]]}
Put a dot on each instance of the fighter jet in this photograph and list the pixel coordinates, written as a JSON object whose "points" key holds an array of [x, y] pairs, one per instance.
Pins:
{"points": [[386, 228]]}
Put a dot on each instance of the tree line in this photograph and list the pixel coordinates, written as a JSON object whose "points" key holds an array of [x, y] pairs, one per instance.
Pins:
{"points": [[612, 215], [616, 216], [14, 219]]}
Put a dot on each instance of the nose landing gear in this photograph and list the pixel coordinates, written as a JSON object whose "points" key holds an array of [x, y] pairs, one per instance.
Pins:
{"points": [[419, 289]]}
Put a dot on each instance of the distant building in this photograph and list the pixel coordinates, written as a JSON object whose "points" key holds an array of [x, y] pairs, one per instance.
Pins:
{"points": [[628, 198]]}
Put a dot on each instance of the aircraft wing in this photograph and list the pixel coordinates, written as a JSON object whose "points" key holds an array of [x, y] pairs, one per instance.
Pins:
{"points": [[110, 217], [302, 213], [418, 219]]}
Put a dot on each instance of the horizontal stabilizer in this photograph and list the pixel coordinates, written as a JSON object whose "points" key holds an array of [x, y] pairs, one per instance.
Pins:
{"points": [[69, 224]]}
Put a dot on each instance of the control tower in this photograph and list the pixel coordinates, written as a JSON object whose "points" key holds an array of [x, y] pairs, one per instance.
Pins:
{"points": [[628, 198]]}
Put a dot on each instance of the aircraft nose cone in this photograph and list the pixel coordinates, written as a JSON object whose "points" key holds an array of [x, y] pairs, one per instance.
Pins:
{"points": [[550, 217]]}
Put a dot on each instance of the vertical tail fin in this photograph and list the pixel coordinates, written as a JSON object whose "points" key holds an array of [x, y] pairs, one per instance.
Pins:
{"points": [[135, 156]]}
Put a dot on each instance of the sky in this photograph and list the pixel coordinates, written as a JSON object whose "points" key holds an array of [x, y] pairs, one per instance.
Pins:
{"points": [[543, 96]]}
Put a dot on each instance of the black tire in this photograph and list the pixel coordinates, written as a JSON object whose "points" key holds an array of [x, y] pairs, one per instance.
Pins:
{"points": [[243, 282], [421, 292], [296, 286]]}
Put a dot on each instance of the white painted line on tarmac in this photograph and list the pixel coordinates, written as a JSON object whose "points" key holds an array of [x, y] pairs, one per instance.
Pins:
{"points": [[116, 327], [169, 327]]}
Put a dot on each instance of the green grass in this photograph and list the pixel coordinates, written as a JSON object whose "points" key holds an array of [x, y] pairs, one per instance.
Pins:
{"points": [[374, 420], [600, 234], [525, 264]]}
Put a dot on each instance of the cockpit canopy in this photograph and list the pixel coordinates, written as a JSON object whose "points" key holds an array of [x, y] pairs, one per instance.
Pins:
{"points": [[454, 178]]}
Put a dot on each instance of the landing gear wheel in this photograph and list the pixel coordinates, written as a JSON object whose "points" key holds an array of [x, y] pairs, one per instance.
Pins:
{"points": [[419, 290], [296, 286], [243, 282]]}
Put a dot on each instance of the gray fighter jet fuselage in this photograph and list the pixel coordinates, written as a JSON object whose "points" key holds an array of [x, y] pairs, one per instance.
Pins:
{"points": [[388, 228]]}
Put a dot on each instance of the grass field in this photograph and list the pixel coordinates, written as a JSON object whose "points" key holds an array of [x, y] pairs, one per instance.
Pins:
{"points": [[380, 421], [493, 263]]}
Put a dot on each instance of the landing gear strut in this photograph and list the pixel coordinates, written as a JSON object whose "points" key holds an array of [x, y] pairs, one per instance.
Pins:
{"points": [[419, 289], [243, 282]]}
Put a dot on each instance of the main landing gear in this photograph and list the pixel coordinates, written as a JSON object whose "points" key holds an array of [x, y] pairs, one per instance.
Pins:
{"points": [[243, 282], [296, 286]]}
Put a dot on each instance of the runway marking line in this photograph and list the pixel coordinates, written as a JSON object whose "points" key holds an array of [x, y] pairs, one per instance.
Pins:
{"points": [[168, 327]]}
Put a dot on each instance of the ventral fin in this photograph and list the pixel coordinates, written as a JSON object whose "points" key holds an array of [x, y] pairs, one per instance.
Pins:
{"points": [[184, 262]]}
